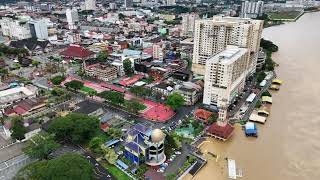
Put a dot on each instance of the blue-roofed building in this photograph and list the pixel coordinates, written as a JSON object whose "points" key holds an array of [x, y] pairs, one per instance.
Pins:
{"points": [[144, 144]]}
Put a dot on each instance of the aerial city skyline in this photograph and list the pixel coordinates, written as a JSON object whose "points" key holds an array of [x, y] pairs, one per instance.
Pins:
{"points": [[159, 89]]}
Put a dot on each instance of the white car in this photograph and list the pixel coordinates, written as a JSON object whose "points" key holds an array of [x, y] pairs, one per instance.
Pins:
{"points": [[177, 152]]}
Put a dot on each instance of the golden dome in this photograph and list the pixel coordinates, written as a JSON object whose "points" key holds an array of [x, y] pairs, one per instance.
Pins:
{"points": [[157, 135]]}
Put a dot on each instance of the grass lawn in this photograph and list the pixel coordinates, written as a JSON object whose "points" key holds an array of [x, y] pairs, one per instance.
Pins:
{"points": [[117, 173], [284, 15], [86, 89]]}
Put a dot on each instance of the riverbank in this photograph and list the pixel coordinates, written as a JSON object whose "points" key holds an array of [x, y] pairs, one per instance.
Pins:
{"points": [[288, 145]]}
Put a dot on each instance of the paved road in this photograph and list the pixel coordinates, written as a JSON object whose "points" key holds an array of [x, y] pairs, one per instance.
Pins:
{"points": [[100, 172]]}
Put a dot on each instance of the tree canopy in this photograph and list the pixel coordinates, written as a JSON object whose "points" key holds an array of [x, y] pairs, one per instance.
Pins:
{"points": [[112, 96], [102, 56], [57, 80], [175, 101], [140, 91], [68, 166], [110, 155], [74, 84], [268, 45], [40, 146], [18, 129], [127, 67], [76, 127], [95, 144]]}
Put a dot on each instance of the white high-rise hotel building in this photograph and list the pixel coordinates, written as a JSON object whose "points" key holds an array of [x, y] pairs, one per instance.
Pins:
{"points": [[212, 36], [225, 52]]}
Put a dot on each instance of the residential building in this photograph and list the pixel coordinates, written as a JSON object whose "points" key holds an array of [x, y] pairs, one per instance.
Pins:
{"points": [[39, 29], [102, 71], [15, 28], [157, 51], [251, 9], [225, 76], [191, 92], [188, 21], [128, 3], [112, 6], [90, 4], [77, 52], [72, 17], [213, 35]]}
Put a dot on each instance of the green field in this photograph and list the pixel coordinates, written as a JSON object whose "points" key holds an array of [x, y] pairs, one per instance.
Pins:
{"points": [[86, 89], [284, 15], [117, 173]]}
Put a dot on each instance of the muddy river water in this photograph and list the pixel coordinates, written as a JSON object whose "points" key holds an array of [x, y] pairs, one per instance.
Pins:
{"points": [[288, 146]]}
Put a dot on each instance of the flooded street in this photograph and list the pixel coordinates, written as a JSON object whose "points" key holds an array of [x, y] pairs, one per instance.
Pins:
{"points": [[288, 146]]}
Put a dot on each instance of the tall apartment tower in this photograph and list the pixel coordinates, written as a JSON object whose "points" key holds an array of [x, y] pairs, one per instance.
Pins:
{"points": [[90, 4], [188, 22], [225, 76], [211, 36], [128, 3], [72, 17], [251, 9], [39, 29]]}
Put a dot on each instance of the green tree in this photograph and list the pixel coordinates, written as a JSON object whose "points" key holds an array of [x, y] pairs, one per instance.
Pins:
{"points": [[40, 146], [175, 101], [95, 144], [76, 127], [57, 91], [134, 106], [74, 84], [266, 93], [113, 97], [102, 56], [127, 67], [67, 166], [92, 93], [35, 63], [110, 155], [143, 168], [18, 129], [114, 133], [57, 80], [213, 118], [260, 76]]}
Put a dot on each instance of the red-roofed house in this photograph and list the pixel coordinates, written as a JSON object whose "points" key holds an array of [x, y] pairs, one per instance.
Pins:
{"points": [[220, 132], [77, 52], [202, 115]]}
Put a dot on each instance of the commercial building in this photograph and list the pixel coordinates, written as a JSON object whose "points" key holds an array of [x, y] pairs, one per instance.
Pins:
{"points": [[213, 35], [72, 17], [225, 76], [102, 72], [13, 95], [251, 9], [39, 29], [188, 21], [90, 4]]}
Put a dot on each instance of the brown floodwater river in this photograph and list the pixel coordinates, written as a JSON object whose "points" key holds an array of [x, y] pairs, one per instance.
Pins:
{"points": [[288, 146]]}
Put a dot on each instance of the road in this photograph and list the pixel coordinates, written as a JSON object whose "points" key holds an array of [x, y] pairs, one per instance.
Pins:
{"points": [[100, 172]]}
